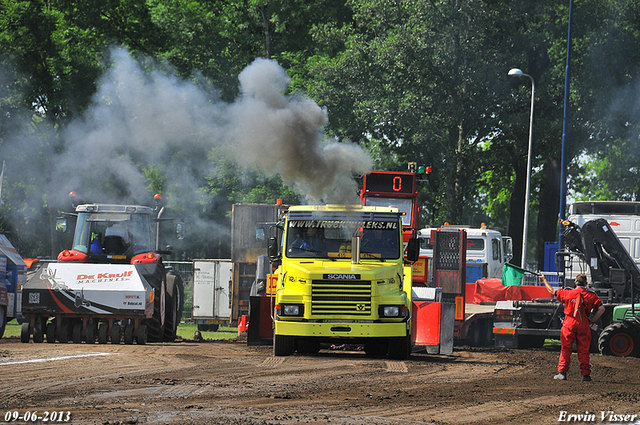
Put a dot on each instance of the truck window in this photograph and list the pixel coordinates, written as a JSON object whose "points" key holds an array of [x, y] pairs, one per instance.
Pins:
{"points": [[495, 248], [474, 244], [404, 205], [332, 239]]}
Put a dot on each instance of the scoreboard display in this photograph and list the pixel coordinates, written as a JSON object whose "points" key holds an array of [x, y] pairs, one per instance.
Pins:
{"points": [[390, 182]]}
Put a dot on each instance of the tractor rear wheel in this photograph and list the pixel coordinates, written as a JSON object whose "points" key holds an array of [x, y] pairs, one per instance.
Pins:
{"points": [[619, 339], [173, 305]]}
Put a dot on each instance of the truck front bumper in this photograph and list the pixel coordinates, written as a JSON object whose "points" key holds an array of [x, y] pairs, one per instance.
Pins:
{"points": [[341, 330]]}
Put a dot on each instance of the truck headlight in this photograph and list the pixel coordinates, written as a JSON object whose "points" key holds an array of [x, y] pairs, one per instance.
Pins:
{"points": [[291, 309], [391, 311]]}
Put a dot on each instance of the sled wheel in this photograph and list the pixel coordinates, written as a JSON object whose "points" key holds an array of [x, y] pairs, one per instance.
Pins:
{"points": [[77, 333], [92, 332], [142, 334], [65, 330], [25, 334], [51, 332], [103, 333], [128, 334], [116, 334], [38, 332]]}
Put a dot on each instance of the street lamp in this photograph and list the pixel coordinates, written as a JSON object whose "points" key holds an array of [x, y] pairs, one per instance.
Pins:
{"points": [[515, 72]]}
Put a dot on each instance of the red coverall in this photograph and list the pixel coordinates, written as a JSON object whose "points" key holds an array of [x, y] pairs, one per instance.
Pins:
{"points": [[578, 304]]}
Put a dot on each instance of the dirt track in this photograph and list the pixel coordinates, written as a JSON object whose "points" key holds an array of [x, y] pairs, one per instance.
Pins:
{"points": [[230, 383]]}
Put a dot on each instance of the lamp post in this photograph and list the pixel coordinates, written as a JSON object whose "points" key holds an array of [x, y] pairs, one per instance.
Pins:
{"points": [[515, 72]]}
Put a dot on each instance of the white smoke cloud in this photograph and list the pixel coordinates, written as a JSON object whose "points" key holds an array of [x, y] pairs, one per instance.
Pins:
{"points": [[140, 119]]}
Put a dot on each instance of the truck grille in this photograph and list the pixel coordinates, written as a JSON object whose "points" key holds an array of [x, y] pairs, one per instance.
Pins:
{"points": [[341, 297]]}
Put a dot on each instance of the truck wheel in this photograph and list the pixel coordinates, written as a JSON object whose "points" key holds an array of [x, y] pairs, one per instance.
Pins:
{"points": [[91, 332], [103, 333], [142, 334], [308, 346], [128, 334], [77, 333], [25, 334], [376, 347], [3, 319], [51, 332], [400, 347], [38, 332], [619, 339], [283, 345], [116, 333]]}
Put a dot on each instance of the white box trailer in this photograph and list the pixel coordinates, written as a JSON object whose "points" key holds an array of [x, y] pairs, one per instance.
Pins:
{"points": [[211, 293]]}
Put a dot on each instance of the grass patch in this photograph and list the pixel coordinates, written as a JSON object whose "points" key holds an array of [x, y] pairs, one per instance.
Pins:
{"points": [[185, 331]]}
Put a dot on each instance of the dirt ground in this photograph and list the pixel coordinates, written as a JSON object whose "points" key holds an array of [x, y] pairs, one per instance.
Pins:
{"points": [[228, 382]]}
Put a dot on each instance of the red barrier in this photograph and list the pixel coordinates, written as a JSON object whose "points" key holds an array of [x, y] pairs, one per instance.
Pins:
{"points": [[492, 290]]}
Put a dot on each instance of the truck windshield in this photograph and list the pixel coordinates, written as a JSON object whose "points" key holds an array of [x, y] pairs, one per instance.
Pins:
{"points": [[404, 205], [124, 234], [332, 239]]}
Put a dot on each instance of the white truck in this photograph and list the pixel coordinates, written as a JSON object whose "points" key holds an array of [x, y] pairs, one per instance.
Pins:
{"points": [[487, 250], [211, 294]]}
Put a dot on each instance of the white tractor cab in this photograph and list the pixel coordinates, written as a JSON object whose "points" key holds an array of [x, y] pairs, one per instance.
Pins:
{"points": [[486, 247]]}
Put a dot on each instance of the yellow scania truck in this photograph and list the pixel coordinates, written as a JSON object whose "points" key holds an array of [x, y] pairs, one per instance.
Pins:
{"points": [[342, 278]]}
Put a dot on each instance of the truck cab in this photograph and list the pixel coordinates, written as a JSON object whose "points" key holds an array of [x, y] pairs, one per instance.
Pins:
{"points": [[487, 249], [342, 279]]}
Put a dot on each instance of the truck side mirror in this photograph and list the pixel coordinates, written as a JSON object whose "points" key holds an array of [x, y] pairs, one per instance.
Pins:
{"points": [[413, 250], [273, 248], [508, 248], [61, 225]]}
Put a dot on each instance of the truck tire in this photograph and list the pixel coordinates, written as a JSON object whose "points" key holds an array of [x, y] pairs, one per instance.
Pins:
{"points": [[25, 334], [400, 347], [376, 347], [174, 304], [283, 345], [3, 319], [308, 346], [619, 339], [142, 334]]}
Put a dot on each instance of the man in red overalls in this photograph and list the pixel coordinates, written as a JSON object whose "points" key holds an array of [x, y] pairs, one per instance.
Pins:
{"points": [[580, 307]]}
